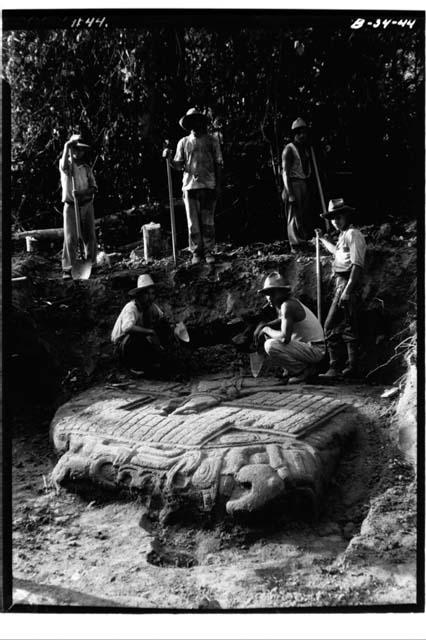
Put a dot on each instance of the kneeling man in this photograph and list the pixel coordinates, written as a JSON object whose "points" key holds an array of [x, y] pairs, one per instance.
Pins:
{"points": [[297, 344], [141, 333]]}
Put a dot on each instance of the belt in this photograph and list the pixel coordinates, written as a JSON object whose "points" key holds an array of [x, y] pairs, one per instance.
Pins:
{"points": [[318, 343], [80, 203]]}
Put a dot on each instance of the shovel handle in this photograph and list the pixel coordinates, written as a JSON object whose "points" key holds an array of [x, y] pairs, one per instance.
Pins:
{"points": [[318, 274], [76, 207], [314, 162], [172, 209]]}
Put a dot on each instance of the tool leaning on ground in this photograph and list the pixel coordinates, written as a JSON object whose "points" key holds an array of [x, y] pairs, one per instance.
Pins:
{"points": [[171, 202], [317, 240], [81, 268]]}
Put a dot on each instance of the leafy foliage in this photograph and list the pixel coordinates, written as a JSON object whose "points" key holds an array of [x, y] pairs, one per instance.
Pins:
{"points": [[125, 90]]}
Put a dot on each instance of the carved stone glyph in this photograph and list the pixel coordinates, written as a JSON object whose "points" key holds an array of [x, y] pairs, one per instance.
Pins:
{"points": [[215, 449]]}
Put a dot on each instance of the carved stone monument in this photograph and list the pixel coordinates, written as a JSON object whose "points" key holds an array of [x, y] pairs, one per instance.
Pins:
{"points": [[222, 447]]}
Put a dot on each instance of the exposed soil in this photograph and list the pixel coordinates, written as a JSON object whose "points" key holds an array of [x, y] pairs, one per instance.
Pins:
{"points": [[91, 551]]}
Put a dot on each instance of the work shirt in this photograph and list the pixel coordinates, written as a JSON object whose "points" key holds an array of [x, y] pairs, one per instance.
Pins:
{"points": [[131, 316], [200, 155], [296, 163], [350, 250], [83, 178], [309, 329]]}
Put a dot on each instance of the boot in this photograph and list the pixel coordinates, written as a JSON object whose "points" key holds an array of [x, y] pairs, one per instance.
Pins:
{"points": [[333, 370], [351, 369]]}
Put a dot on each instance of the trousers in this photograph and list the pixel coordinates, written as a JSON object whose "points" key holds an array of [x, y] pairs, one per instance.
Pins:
{"points": [[299, 227], [294, 356], [341, 327], [200, 205], [87, 216]]}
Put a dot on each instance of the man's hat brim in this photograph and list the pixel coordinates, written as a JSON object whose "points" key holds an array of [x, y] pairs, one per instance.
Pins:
{"points": [[269, 289], [330, 215], [81, 145], [136, 290], [187, 121]]}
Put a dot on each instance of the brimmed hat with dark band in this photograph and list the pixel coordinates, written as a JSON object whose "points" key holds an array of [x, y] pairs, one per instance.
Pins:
{"points": [[299, 123], [274, 281], [336, 207], [191, 115], [144, 281]]}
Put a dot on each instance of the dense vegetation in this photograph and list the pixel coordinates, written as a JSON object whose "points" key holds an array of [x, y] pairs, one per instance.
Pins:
{"points": [[125, 89]]}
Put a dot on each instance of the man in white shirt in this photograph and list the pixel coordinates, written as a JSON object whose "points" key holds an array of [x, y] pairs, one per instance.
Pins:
{"points": [[342, 323], [295, 341], [199, 156], [85, 189], [141, 333]]}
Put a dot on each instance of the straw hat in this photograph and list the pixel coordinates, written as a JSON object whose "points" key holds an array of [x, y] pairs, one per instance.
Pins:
{"points": [[299, 123], [274, 281], [336, 207], [144, 281], [192, 114]]}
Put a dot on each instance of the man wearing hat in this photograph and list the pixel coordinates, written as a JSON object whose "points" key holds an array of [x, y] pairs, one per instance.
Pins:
{"points": [[85, 189], [342, 323], [199, 156], [141, 333], [297, 344], [296, 166]]}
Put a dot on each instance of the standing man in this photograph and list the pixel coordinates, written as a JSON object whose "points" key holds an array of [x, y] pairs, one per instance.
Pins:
{"points": [[85, 189], [199, 156], [342, 323], [296, 166], [295, 341]]}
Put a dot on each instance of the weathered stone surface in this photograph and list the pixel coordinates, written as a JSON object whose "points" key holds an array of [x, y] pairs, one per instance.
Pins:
{"points": [[237, 454]]}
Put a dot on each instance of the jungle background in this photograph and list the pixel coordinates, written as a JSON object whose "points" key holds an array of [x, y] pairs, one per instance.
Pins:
{"points": [[124, 89]]}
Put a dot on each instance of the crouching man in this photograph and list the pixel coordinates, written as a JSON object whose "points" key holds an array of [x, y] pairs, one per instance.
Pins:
{"points": [[141, 334], [297, 344]]}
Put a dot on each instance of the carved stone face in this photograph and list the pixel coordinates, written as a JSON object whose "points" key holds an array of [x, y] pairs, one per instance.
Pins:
{"points": [[209, 451]]}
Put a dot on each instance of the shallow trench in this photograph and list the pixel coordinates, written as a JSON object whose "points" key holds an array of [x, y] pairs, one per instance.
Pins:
{"points": [[360, 551]]}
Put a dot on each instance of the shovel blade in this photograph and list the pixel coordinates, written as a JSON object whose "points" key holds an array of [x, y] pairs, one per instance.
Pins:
{"points": [[81, 269], [256, 363]]}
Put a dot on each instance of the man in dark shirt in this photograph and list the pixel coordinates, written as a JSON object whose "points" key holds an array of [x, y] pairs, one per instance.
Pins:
{"points": [[296, 167]]}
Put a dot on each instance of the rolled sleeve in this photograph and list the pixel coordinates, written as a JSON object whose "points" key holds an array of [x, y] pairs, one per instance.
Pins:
{"points": [[91, 179], [180, 151], [357, 247], [217, 152], [129, 319]]}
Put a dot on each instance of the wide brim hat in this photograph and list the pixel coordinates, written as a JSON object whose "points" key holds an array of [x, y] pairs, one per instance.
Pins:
{"points": [[188, 119], [299, 123], [336, 207], [82, 145], [274, 281], [144, 282]]}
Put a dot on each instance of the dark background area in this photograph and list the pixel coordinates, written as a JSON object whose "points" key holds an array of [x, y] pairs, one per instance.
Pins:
{"points": [[125, 82]]}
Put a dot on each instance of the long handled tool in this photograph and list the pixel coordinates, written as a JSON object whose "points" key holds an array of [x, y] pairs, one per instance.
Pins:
{"points": [[318, 274], [314, 162], [81, 268], [172, 208]]}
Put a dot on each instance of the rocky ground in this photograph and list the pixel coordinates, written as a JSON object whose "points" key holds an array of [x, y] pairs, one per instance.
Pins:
{"points": [[90, 551]]}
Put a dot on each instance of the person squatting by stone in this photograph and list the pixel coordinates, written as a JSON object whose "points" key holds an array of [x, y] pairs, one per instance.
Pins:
{"points": [[142, 334], [342, 322], [296, 342], [85, 189], [200, 157], [297, 171]]}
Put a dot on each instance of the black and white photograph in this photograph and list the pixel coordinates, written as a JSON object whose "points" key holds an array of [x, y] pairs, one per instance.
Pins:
{"points": [[213, 310]]}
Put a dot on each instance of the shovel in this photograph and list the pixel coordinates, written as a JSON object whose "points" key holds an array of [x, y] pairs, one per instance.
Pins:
{"points": [[81, 268], [256, 363], [172, 208]]}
